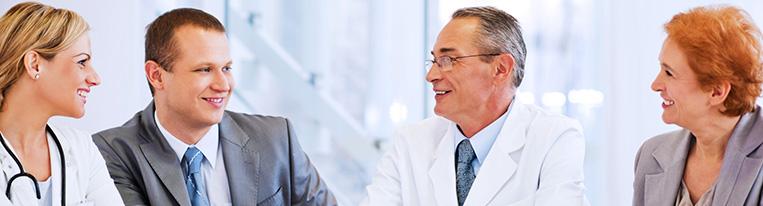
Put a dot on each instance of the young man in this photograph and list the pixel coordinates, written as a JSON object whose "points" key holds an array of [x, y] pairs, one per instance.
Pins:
{"points": [[185, 148]]}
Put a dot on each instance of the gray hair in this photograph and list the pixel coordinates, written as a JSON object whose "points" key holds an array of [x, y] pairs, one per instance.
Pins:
{"points": [[499, 32]]}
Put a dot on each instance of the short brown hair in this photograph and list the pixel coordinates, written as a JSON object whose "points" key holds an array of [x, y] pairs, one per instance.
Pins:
{"points": [[160, 44], [722, 44], [37, 27]]}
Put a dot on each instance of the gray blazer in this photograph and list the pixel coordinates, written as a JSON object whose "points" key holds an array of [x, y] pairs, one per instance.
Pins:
{"points": [[263, 159], [660, 166]]}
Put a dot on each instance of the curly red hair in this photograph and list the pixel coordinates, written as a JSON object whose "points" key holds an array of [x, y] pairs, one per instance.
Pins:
{"points": [[722, 44]]}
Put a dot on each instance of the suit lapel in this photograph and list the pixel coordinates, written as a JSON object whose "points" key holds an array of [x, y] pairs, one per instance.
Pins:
{"points": [[166, 167], [240, 161], [739, 169], [499, 167], [672, 160], [162, 158], [442, 173]]}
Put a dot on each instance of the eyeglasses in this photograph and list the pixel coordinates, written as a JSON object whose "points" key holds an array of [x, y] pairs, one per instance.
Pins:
{"points": [[445, 63]]}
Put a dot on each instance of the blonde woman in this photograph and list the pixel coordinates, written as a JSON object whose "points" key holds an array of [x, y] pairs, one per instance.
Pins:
{"points": [[45, 71]]}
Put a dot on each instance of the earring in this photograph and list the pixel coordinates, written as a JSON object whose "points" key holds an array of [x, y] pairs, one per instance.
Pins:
{"points": [[37, 75]]}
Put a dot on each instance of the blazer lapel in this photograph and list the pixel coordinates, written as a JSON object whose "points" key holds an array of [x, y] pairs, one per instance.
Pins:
{"points": [[747, 173], [162, 158], [442, 173], [739, 169], [499, 166], [240, 161], [672, 160]]}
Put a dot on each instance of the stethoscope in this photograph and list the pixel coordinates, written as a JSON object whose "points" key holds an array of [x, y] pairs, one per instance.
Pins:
{"points": [[27, 175]]}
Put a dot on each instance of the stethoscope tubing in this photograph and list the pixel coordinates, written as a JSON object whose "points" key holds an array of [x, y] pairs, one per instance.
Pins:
{"points": [[23, 173]]}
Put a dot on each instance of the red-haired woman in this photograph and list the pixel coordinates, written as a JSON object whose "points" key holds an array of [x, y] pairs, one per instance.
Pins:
{"points": [[709, 80]]}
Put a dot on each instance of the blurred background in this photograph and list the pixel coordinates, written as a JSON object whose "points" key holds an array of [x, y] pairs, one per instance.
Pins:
{"points": [[348, 72]]}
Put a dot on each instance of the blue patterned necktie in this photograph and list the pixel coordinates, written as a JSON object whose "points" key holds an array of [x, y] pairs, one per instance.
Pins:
{"points": [[194, 181], [464, 171]]}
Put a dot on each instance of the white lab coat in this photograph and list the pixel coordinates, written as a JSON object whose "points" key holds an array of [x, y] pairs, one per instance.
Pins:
{"points": [[537, 159], [87, 179]]}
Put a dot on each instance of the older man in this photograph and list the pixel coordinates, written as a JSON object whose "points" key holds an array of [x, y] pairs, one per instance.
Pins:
{"points": [[484, 148]]}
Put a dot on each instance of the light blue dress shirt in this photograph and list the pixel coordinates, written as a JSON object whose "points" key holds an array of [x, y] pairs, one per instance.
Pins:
{"points": [[213, 165], [483, 140]]}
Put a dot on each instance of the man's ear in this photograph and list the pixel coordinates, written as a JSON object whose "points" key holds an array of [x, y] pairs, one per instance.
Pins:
{"points": [[504, 67], [719, 93], [154, 74], [32, 61]]}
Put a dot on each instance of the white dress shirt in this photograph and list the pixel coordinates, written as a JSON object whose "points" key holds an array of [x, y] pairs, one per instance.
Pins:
{"points": [[213, 165]]}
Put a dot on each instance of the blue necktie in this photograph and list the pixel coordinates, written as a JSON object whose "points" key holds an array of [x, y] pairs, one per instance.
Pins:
{"points": [[464, 171], [194, 181]]}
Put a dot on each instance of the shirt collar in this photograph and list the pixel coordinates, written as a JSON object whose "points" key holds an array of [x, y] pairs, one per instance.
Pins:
{"points": [[484, 139], [207, 144]]}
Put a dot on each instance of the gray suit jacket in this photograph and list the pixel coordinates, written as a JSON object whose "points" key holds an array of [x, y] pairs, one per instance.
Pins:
{"points": [[660, 166], [264, 162]]}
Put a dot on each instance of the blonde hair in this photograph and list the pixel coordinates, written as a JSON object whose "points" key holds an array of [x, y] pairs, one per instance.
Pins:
{"points": [[32, 26]]}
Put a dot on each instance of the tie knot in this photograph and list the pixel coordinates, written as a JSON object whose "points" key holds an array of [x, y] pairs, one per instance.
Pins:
{"points": [[465, 152], [192, 160]]}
